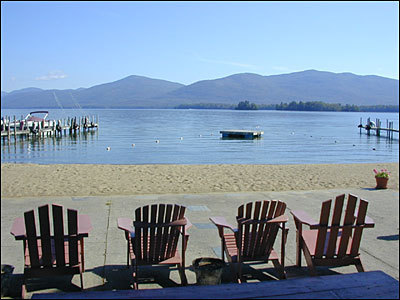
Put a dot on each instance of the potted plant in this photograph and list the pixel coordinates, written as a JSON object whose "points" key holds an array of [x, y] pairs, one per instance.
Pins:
{"points": [[382, 178]]}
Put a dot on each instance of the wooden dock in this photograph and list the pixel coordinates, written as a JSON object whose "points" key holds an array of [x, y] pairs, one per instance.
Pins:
{"points": [[364, 285], [241, 134], [13, 128], [377, 127]]}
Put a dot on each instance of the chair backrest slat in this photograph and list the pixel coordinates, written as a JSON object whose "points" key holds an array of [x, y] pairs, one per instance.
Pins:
{"points": [[161, 217], [144, 233], [178, 212], [246, 229], [261, 227], [254, 233], [30, 228], [72, 215], [58, 225], [45, 235], [267, 228], [255, 228], [323, 222], [333, 234], [347, 230], [156, 243], [362, 213], [138, 235], [274, 227], [166, 232]]}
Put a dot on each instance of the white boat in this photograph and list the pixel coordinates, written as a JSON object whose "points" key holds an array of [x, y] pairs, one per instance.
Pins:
{"points": [[32, 120], [32, 117]]}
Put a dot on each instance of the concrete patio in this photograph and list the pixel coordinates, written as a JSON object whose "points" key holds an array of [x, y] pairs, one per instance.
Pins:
{"points": [[105, 248]]}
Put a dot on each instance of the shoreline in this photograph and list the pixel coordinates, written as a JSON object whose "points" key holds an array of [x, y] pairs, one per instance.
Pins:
{"points": [[35, 180]]}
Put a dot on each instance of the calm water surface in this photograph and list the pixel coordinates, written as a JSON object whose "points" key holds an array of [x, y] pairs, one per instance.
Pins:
{"points": [[192, 137]]}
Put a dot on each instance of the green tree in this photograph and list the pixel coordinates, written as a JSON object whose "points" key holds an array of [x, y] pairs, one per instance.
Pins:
{"points": [[246, 105]]}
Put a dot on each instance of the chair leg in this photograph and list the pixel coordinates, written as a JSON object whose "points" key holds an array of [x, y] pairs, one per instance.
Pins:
{"points": [[127, 254], [182, 274], [81, 275], [279, 268], [359, 265], [239, 273], [309, 261], [82, 255], [23, 291], [298, 249], [234, 272], [135, 276]]}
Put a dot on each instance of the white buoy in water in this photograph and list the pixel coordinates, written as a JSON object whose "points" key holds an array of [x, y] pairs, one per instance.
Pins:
{"points": [[108, 148], [133, 145], [157, 141]]}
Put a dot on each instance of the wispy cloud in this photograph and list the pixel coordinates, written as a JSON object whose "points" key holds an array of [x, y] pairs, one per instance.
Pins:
{"points": [[52, 76], [230, 63]]}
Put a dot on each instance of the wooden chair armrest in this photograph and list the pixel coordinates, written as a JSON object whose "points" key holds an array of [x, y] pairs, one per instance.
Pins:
{"points": [[18, 229], [187, 226], [220, 222], [84, 225], [279, 219], [369, 222], [302, 217], [126, 224]]}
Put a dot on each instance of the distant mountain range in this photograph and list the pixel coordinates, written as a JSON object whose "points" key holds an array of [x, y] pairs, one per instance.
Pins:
{"points": [[142, 92]]}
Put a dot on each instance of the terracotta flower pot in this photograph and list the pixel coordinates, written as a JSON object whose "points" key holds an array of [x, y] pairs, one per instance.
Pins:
{"points": [[381, 183]]}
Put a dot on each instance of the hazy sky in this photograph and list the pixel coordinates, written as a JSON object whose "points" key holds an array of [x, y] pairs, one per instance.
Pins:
{"points": [[81, 44]]}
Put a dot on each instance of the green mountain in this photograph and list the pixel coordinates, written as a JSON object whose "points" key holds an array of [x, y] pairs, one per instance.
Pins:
{"points": [[143, 92]]}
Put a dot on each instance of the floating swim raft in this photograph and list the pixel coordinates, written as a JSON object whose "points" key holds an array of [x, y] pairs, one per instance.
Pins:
{"points": [[241, 134]]}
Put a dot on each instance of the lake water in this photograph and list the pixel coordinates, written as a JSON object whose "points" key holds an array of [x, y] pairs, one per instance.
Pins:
{"points": [[192, 137]]}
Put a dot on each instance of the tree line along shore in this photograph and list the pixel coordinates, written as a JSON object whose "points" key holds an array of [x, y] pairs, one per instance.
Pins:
{"points": [[294, 106]]}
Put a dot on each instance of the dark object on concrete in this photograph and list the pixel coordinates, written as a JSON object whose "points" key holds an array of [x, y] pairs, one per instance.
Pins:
{"points": [[208, 270], [6, 273]]}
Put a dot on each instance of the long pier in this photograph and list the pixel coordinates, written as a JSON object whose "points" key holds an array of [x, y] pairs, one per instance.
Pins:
{"points": [[41, 129], [377, 127]]}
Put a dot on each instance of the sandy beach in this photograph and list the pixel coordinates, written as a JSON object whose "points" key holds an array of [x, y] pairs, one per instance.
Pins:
{"points": [[22, 180]]}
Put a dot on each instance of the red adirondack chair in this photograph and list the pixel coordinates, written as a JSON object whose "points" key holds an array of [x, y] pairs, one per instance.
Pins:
{"points": [[337, 244], [154, 236], [50, 254], [254, 238]]}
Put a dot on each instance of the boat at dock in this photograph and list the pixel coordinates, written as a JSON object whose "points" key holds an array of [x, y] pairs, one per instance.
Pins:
{"points": [[32, 117], [30, 120]]}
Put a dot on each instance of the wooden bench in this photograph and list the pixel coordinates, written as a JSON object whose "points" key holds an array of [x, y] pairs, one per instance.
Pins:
{"points": [[372, 285]]}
